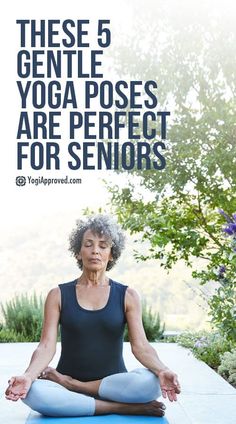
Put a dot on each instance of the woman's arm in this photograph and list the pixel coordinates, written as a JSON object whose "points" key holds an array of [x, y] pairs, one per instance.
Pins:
{"points": [[141, 348], [47, 345], [19, 385]]}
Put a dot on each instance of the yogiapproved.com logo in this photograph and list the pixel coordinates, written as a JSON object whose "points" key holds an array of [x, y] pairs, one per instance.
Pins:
{"points": [[20, 181]]}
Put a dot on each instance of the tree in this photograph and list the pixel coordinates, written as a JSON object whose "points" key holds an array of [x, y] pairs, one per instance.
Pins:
{"points": [[192, 54]]}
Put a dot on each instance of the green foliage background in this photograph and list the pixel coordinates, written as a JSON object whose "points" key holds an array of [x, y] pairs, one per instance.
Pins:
{"points": [[23, 319], [191, 53]]}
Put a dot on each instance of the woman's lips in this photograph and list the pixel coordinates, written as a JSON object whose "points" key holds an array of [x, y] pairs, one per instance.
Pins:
{"points": [[94, 260]]}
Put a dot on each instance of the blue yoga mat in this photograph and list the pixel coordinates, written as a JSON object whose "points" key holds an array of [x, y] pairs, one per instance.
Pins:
{"points": [[98, 419]]}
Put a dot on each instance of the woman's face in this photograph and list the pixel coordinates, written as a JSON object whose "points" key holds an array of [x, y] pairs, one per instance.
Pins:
{"points": [[95, 251]]}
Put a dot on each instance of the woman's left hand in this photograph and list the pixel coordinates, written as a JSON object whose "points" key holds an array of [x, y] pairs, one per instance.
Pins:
{"points": [[169, 384]]}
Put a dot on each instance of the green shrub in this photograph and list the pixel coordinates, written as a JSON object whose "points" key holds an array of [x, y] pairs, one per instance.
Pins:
{"points": [[9, 336], [23, 316], [152, 324], [207, 347], [169, 339], [188, 338], [227, 367]]}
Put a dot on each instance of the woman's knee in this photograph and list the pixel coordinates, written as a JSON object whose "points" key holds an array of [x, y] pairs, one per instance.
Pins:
{"points": [[147, 384], [49, 398], [139, 385], [36, 398]]}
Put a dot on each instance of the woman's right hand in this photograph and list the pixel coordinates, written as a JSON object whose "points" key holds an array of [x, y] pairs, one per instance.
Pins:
{"points": [[18, 387]]}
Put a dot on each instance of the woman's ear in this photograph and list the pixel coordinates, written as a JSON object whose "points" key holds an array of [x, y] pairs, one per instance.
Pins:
{"points": [[78, 256]]}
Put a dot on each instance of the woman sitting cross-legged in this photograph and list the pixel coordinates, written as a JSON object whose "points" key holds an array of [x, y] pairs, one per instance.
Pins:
{"points": [[91, 377]]}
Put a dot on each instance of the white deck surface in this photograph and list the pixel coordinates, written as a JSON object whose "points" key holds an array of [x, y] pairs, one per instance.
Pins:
{"points": [[206, 398]]}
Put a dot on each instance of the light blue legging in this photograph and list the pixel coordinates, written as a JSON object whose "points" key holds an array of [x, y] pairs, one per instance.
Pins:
{"points": [[52, 399]]}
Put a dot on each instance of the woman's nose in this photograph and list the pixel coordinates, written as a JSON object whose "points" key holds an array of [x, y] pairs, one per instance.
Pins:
{"points": [[96, 248]]}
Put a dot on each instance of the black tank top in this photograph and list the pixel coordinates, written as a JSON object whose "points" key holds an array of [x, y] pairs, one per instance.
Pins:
{"points": [[92, 341]]}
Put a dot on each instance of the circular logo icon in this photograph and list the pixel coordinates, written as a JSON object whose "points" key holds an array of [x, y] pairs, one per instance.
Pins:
{"points": [[20, 181]]}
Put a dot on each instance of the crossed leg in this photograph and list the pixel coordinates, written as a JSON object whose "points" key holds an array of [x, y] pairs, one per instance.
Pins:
{"points": [[125, 393]]}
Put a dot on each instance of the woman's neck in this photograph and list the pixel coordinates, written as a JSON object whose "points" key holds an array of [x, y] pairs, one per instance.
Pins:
{"points": [[93, 278]]}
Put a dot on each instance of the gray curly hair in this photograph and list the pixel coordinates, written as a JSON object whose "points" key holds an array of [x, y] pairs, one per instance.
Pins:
{"points": [[102, 225]]}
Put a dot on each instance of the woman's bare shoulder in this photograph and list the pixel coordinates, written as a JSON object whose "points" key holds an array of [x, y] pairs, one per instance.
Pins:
{"points": [[132, 293], [55, 291], [53, 297], [132, 298]]}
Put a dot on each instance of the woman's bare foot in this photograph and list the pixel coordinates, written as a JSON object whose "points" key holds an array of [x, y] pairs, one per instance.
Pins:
{"points": [[151, 408], [87, 388], [53, 375]]}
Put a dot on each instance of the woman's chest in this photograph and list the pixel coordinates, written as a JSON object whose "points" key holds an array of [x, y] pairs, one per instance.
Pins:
{"points": [[93, 298]]}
